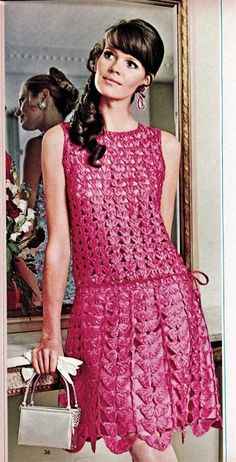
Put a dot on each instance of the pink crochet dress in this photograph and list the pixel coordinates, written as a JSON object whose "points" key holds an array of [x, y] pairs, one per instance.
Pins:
{"points": [[137, 321]]}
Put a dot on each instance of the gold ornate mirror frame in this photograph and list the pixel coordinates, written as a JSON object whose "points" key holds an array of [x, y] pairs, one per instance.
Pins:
{"points": [[184, 119], [184, 130]]}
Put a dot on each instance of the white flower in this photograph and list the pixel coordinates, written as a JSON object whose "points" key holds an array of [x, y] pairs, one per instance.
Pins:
{"points": [[14, 236], [26, 226], [13, 188], [21, 204], [31, 214]]}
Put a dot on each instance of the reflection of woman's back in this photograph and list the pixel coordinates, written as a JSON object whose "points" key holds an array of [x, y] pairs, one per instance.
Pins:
{"points": [[45, 101], [40, 221]]}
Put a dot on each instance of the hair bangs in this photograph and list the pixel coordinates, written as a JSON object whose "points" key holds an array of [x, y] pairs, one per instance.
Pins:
{"points": [[129, 41]]}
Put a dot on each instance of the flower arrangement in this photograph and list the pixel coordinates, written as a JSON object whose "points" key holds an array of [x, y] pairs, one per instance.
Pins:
{"points": [[22, 237]]}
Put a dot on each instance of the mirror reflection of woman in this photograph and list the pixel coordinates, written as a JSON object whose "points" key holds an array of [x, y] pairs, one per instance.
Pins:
{"points": [[137, 321], [45, 100]]}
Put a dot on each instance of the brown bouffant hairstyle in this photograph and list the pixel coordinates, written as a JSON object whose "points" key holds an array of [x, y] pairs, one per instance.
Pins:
{"points": [[62, 91], [134, 37]]}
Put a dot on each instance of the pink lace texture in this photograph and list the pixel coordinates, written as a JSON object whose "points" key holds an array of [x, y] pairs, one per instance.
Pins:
{"points": [[137, 321]]}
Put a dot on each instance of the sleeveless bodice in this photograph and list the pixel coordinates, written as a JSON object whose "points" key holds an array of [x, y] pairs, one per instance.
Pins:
{"points": [[118, 233]]}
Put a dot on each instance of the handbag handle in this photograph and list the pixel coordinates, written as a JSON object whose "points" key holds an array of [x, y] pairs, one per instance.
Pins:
{"points": [[34, 380]]}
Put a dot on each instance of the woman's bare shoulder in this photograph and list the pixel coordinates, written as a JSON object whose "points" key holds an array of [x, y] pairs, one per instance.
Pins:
{"points": [[53, 141], [54, 135], [170, 145]]}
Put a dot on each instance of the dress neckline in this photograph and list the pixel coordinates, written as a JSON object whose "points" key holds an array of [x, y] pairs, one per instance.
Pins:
{"points": [[122, 133]]}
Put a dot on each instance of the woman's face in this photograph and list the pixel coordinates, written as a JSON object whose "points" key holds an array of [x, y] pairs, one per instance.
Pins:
{"points": [[31, 117], [118, 75]]}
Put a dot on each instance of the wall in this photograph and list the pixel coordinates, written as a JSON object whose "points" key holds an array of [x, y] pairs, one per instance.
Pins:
{"points": [[162, 115], [205, 83], [206, 146], [3, 323], [229, 222]]}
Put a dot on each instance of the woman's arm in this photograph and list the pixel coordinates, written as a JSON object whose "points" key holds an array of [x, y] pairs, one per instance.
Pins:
{"points": [[32, 167], [171, 153], [44, 356]]}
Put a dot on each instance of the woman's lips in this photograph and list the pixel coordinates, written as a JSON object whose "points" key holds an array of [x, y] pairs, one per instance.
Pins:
{"points": [[112, 81]]}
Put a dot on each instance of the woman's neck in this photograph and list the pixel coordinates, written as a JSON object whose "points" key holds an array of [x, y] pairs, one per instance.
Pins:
{"points": [[117, 116], [51, 119]]}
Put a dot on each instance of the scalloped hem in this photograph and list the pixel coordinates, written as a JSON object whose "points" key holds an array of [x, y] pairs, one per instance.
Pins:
{"points": [[161, 443]]}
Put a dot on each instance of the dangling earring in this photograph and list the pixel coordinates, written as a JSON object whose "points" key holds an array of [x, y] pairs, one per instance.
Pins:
{"points": [[141, 103], [42, 105]]}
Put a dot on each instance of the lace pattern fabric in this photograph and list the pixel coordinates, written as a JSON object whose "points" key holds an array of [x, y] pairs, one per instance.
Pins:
{"points": [[137, 321]]}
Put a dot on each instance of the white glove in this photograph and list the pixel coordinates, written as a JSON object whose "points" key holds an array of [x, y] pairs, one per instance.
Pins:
{"points": [[65, 365]]}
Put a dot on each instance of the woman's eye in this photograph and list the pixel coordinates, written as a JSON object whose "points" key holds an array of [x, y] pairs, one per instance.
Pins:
{"points": [[132, 64], [107, 54]]}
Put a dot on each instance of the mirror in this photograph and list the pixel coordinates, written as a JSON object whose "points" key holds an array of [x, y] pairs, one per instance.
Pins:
{"points": [[44, 34]]}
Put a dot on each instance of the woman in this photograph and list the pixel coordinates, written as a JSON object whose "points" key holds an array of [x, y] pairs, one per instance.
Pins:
{"points": [[44, 101], [136, 321]]}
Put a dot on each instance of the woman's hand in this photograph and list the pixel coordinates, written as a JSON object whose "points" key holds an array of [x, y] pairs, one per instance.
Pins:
{"points": [[45, 355]]}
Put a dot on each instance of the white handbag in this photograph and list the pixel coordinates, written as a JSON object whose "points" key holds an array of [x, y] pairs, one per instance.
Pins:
{"points": [[48, 426]]}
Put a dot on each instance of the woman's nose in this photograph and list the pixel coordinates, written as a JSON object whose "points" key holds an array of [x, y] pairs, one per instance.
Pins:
{"points": [[115, 67], [18, 112]]}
